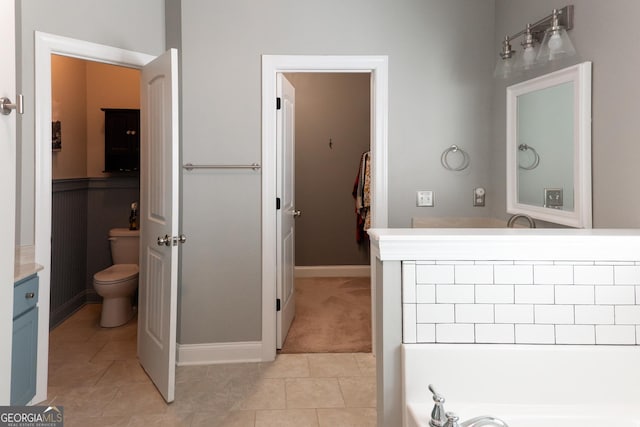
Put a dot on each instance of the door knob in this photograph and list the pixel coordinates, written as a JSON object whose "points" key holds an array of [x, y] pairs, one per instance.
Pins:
{"points": [[6, 105], [164, 241], [297, 213], [182, 238]]}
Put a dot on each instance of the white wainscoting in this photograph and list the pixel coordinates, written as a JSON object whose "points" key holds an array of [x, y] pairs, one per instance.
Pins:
{"points": [[217, 353]]}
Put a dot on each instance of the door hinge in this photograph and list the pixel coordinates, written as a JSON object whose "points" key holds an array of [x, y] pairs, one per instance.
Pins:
{"points": [[277, 203], [278, 304], [278, 103]]}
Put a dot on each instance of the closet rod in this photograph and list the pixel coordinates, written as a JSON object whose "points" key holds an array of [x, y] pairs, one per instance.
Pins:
{"points": [[190, 166]]}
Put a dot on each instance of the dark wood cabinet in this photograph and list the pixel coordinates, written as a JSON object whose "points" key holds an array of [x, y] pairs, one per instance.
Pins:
{"points": [[121, 140]]}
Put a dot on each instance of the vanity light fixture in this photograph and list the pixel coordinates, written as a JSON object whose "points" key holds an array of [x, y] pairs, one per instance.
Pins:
{"points": [[544, 40]]}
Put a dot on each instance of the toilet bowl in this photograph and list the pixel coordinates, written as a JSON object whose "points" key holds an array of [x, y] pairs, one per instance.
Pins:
{"points": [[117, 284]]}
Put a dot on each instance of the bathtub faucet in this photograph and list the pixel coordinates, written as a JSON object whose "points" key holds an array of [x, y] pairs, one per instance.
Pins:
{"points": [[483, 421]]}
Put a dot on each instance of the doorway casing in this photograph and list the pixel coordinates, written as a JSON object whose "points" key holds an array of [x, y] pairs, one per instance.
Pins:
{"points": [[45, 46], [271, 66]]}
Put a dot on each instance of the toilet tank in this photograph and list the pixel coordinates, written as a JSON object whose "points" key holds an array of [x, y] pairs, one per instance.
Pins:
{"points": [[125, 245]]}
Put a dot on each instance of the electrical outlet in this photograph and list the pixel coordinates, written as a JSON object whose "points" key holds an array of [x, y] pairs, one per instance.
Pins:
{"points": [[479, 194], [553, 198], [424, 198]]}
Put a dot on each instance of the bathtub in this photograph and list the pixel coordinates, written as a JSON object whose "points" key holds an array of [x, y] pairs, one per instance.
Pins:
{"points": [[526, 386]]}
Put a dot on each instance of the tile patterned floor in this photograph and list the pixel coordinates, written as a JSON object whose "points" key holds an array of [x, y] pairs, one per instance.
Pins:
{"points": [[94, 374]]}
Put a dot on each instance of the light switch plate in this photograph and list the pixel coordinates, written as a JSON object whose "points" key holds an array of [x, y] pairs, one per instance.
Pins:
{"points": [[424, 198]]}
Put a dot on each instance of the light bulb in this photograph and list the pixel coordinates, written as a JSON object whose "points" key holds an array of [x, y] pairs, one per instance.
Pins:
{"points": [[555, 42], [528, 56]]}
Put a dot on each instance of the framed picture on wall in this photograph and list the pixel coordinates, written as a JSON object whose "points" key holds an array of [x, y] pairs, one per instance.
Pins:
{"points": [[56, 136]]}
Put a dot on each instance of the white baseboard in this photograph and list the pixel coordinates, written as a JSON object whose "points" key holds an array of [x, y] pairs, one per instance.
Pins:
{"points": [[216, 353], [333, 271]]}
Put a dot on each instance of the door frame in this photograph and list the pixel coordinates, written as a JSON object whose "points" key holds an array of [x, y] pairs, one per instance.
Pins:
{"points": [[46, 45], [271, 65]]}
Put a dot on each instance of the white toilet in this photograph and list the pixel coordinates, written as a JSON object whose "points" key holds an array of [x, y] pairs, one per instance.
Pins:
{"points": [[116, 284]]}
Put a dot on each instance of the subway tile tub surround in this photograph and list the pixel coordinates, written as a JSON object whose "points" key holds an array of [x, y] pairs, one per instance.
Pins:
{"points": [[516, 287]]}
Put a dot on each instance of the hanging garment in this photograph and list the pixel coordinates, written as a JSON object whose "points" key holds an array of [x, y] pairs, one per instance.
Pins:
{"points": [[362, 194]]}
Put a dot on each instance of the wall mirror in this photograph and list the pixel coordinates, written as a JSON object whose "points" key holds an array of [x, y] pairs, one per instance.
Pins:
{"points": [[549, 147]]}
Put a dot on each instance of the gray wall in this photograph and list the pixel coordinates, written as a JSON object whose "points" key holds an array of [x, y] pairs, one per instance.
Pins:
{"points": [[601, 34], [336, 107], [440, 91], [138, 25]]}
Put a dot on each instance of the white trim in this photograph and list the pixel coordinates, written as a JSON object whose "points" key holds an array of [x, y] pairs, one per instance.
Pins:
{"points": [[216, 353], [333, 271], [45, 46], [271, 65]]}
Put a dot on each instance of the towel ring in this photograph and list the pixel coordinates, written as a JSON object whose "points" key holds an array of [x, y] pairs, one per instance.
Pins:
{"points": [[454, 149], [536, 157]]}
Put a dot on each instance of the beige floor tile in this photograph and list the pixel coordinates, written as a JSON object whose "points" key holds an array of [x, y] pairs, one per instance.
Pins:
{"points": [[366, 363], [333, 365], [348, 417], [96, 421], [136, 399], [122, 372], [287, 366], [313, 393], [77, 374], [74, 352], [358, 392], [185, 374], [287, 418], [223, 419], [121, 333], [167, 420], [66, 334], [117, 350], [266, 394], [81, 402]]}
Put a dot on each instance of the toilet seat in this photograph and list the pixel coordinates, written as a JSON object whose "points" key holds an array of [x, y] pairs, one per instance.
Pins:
{"points": [[115, 274]]}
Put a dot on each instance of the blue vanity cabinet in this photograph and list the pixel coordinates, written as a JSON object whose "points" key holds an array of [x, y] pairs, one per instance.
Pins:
{"points": [[25, 340]]}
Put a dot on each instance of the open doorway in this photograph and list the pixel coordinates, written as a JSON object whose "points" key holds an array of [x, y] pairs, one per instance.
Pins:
{"points": [[332, 141], [273, 166]]}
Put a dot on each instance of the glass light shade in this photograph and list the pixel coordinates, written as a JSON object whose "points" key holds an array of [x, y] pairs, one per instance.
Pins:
{"points": [[526, 58], [556, 44], [504, 68]]}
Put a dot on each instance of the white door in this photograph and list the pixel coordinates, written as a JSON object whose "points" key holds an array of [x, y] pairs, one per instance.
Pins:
{"points": [[159, 169], [285, 217], [8, 191]]}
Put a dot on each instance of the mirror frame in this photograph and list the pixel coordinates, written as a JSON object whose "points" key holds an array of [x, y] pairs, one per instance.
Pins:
{"points": [[581, 216]]}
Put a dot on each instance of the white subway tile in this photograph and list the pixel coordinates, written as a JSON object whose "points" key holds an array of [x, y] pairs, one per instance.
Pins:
{"points": [[554, 314], [514, 313], [455, 333], [408, 282], [538, 262], [594, 314], [455, 262], [614, 263], [573, 262], [513, 274], [435, 313], [626, 274], [474, 313], [628, 315], [425, 262], [426, 332], [575, 334], [408, 323], [615, 294], [426, 294], [637, 294], [638, 334], [495, 334], [474, 274], [615, 334], [574, 294], [553, 274], [534, 294], [455, 294], [485, 262], [593, 274], [535, 334], [494, 294], [434, 274]]}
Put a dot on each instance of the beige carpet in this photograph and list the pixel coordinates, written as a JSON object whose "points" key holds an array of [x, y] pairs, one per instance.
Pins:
{"points": [[333, 315]]}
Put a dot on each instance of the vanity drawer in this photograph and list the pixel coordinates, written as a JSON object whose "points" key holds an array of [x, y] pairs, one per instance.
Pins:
{"points": [[25, 295]]}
